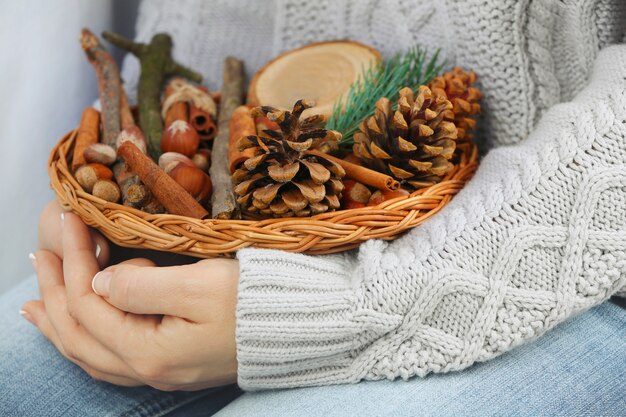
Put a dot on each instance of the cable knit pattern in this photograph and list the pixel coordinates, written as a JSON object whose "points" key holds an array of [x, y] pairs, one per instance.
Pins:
{"points": [[205, 32], [529, 54], [538, 235]]}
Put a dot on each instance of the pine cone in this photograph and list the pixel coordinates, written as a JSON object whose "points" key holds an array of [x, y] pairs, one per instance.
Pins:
{"points": [[415, 143], [282, 180], [457, 85]]}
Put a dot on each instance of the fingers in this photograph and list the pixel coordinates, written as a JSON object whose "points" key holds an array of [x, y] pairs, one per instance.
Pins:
{"points": [[50, 229], [37, 316], [179, 291], [105, 323], [77, 343], [50, 234], [102, 249]]}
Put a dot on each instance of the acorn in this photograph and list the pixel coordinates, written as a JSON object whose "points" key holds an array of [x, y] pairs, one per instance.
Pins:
{"points": [[382, 196], [107, 190], [202, 159], [88, 175], [100, 153], [169, 160], [180, 137], [192, 179]]}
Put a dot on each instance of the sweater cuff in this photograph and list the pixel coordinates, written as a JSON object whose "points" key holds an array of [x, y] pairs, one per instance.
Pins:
{"points": [[299, 321], [294, 319]]}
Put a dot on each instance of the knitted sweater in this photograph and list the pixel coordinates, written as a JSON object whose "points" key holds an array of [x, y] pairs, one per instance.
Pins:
{"points": [[539, 234]]}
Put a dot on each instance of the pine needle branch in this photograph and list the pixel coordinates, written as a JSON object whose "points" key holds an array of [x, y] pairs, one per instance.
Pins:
{"points": [[381, 80]]}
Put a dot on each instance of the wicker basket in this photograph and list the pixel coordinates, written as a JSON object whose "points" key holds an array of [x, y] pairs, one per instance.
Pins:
{"points": [[322, 233]]}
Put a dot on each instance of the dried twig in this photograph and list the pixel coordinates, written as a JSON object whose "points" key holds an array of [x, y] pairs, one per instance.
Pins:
{"points": [[224, 205]]}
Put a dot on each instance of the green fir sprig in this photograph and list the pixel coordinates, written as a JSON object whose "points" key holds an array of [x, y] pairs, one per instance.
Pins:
{"points": [[382, 79]]}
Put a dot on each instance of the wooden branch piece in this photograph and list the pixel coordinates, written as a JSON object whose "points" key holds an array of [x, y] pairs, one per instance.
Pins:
{"points": [[321, 71], [156, 65], [362, 174], [126, 115], [224, 205], [87, 135], [109, 84], [134, 193], [169, 193]]}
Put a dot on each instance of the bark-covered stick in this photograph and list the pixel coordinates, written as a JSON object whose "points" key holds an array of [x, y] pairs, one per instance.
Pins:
{"points": [[156, 65], [173, 197], [109, 84], [134, 192], [87, 135], [224, 205]]}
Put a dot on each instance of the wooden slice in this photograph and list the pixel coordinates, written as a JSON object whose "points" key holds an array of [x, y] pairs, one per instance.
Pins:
{"points": [[320, 71]]}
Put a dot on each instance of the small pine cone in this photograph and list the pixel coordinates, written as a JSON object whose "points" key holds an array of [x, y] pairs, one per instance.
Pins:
{"points": [[458, 86], [282, 179], [415, 143]]}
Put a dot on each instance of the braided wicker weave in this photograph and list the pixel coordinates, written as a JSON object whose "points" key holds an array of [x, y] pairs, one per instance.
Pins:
{"points": [[322, 233]]}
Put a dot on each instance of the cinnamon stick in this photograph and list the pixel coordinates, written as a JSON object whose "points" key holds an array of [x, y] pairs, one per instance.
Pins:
{"points": [[241, 124], [87, 135], [173, 197], [224, 205], [134, 193], [177, 111], [109, 85], [203, 123], [362, 174], [200, 105]]}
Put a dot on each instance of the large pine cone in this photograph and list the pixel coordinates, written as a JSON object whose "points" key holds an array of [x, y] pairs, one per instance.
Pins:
{"points": [[282, 180], [458, 87], [415, 143]]}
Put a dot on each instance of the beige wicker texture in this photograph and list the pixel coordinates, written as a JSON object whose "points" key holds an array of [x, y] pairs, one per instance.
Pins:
{"points": [[323, 233]]}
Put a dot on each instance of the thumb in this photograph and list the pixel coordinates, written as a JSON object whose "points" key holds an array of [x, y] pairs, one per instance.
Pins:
{"points": [[148, 289]]}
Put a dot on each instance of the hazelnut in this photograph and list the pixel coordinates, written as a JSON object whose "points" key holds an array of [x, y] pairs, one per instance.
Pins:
{"points": [[88, 175], [100, 153], [192, 179], [169, 160], [107, 190], [180, 137]]}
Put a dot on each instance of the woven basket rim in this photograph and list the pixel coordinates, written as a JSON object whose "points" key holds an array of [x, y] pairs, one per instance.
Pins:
{"points": [[322, 233]]}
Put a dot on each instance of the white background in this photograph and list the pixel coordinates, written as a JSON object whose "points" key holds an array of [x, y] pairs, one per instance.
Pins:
{"points": [[45, 83]]}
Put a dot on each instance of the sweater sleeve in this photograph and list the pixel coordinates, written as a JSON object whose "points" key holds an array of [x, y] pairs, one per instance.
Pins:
{"points": [[538, 235]]}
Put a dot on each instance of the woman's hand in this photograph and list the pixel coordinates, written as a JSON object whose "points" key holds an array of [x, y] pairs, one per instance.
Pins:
{"points": [[172, 328]]}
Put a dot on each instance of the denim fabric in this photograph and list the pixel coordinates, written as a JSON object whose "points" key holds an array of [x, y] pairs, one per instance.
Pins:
{"points": [[35, 380], [577, 369]]}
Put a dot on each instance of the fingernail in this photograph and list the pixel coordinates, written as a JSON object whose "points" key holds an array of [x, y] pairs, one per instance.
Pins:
{"points": [[98, 250], [27, 316], [101, 283], [33, 260]]}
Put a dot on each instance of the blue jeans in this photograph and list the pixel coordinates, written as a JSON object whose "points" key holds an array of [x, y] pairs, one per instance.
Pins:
{"points": [[577, 369]]}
